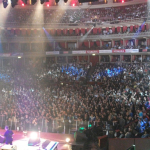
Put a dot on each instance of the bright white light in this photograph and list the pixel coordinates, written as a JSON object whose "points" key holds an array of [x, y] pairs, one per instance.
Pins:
{"points": [[93, 54], [33, 135], [19, 57], [67, 140], [38, 14]]}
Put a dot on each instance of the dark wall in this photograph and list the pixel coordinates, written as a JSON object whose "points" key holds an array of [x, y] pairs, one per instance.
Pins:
{"points": [[142, 144], [124, 144], [120, 144]]}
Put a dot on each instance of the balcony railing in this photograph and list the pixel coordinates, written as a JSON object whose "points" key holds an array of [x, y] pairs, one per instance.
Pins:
{"points": [[77, 38], [68, 25]]}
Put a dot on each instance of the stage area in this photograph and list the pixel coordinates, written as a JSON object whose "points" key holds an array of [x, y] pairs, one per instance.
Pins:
{"points": [[21, 141]]}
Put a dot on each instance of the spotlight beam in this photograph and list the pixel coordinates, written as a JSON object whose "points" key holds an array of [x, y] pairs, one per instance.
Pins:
{"points": [[49, 37], [85, 36]]}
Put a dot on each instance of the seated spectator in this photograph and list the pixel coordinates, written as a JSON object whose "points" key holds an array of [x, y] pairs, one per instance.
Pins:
{"points": [[121, 134], [145, 135], [128, 134]]}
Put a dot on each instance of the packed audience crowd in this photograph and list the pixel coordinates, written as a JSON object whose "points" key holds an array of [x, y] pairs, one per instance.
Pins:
{"points": [[78, 15], [67, 72], [117, 101]]}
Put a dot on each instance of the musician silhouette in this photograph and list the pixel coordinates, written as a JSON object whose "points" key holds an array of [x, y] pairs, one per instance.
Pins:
{"points": [[8, 136]]}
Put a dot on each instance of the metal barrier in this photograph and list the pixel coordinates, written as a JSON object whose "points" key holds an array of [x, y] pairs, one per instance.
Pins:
{"points": [[55, 126]]}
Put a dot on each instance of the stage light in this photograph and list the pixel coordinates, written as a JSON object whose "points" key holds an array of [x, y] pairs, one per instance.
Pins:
{"points": [[22, 4], [14, 3], [42, 1], [67, 140], [47, 5], [33, 2], [81, 128], [56, 1], [33, 139], [19, 57], [33, 135], [89, 125], [73, 4], [122, 1], [5, 3], [85, 1], [93, 54]]}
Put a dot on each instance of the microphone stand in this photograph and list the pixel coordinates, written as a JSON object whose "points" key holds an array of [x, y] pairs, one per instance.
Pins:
{"points": [[40, 140]]}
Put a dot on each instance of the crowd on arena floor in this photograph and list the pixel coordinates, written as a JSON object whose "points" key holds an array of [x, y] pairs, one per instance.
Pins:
{"points": [[120, 96], [78, 15]]}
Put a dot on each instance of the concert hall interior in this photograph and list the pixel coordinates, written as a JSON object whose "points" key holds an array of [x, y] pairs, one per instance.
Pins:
{"points": [[74, 74]]}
